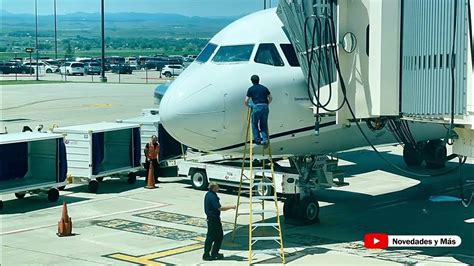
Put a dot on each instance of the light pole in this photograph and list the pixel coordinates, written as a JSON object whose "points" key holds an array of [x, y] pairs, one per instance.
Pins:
{"points": [[103, 78], [55, 33], [36, 41]]}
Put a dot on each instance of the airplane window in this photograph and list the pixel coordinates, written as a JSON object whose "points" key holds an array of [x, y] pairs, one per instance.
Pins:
{"points": [[268, 54], [235, 53], [206, 53], [290, 54]]}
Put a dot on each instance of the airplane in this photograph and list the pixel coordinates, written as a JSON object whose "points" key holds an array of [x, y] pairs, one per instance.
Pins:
{"points": [[204, 107]]}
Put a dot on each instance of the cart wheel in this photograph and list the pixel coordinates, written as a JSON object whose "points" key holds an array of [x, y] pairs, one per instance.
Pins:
{"points": [[1, 205], [53, 195], [93, 186], [199, 180], [100, 179], [132, 178], [20, 195]]}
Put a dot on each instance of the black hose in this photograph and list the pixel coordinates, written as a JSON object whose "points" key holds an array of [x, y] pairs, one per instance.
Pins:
{"points": [[317, 25], [453, 67], [465, 201]]}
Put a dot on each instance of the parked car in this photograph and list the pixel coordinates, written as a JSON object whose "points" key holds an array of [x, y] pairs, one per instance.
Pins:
{"points": [[132, 61], [21, 69], [6, 67], [73, 68], [122, 69], [14, 68], [92, 68], [42, 67], [190, 58], [172, 70], [156, 62]]}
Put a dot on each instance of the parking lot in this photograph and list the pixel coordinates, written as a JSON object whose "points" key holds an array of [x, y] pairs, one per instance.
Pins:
{"points": [[138, 77]]}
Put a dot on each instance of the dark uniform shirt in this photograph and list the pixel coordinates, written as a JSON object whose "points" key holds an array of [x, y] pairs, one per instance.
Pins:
{"points": [[212, 205], [258, 93]]}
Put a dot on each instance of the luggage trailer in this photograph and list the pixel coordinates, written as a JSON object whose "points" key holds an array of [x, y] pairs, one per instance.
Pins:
{"points": [[32, 162], [99, 150]]}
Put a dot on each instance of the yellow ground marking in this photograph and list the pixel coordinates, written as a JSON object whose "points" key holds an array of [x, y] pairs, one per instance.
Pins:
{"points": [[150, 259]]}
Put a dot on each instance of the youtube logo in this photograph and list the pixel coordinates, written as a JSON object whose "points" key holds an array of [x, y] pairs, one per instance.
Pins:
{"points": [[376, 240]]}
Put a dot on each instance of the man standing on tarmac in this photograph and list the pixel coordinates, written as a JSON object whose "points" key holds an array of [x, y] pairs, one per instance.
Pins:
{"points": [[215, 234], [152, 151], [261, 98]]}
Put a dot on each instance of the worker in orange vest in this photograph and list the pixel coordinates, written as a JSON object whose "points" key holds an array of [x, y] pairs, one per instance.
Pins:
{"points": [[152, 153]]}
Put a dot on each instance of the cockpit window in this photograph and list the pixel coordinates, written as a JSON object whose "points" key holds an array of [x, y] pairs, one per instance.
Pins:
{"points": [[268, 54], [290, 54], [206, 53], [235, 53]]}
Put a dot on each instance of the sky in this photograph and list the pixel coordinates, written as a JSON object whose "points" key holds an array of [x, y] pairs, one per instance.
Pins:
{"points": [[205, 8]]}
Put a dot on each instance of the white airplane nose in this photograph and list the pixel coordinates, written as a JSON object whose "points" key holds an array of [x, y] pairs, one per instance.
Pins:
{"points": [[193, 114]]}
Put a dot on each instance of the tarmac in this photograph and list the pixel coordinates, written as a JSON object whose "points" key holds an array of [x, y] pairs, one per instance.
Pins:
{"points": [[129, 225]]}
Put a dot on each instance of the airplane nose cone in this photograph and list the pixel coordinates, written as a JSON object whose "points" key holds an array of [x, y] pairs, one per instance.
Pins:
{"points": [[193, 113]]}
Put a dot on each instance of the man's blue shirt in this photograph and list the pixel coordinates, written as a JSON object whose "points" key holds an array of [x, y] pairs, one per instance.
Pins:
{"points": [[258, 93], [212, 205]]}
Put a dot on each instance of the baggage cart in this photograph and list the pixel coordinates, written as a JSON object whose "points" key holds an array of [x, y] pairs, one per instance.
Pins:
{"points": [[32, 162], [99, 150]]}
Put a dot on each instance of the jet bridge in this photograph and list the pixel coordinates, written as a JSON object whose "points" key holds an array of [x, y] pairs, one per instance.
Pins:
{"points": [[400, 59]]}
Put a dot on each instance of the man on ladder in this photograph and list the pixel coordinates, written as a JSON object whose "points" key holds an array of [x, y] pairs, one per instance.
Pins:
{"points": [[261, 98]]}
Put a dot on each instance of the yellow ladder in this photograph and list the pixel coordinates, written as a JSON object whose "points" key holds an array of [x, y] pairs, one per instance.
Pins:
{"points": [[275, 232]]}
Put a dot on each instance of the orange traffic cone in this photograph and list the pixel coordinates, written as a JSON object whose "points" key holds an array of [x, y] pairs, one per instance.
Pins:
{"points": [[65, 224], [150, 184]]}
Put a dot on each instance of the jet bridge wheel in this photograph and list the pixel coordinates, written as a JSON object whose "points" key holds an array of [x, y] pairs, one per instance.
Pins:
{"points": [[412, 156], [435, 154]]}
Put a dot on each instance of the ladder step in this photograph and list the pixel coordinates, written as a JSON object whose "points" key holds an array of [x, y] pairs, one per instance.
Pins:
{"points": [[263, 197], [263, 184], [257, 212], [265, 238], [265, 224]]}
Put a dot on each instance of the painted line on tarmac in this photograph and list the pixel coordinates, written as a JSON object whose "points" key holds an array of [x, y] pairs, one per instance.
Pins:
{"points": [[183, 219], [83, 219], [150, 259], [149, 229], [388, 206]]}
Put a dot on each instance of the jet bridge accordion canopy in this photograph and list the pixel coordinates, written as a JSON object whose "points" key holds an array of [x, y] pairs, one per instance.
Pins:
{"points": [[311, 26], [430, 29]]}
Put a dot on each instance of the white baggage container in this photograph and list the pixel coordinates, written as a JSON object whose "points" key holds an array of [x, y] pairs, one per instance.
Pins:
{"points": [[149, 125], [95, 151], [31, 163]]}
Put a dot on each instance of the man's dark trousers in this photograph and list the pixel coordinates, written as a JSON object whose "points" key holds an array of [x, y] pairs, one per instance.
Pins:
{"points": [[214, 236]]}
